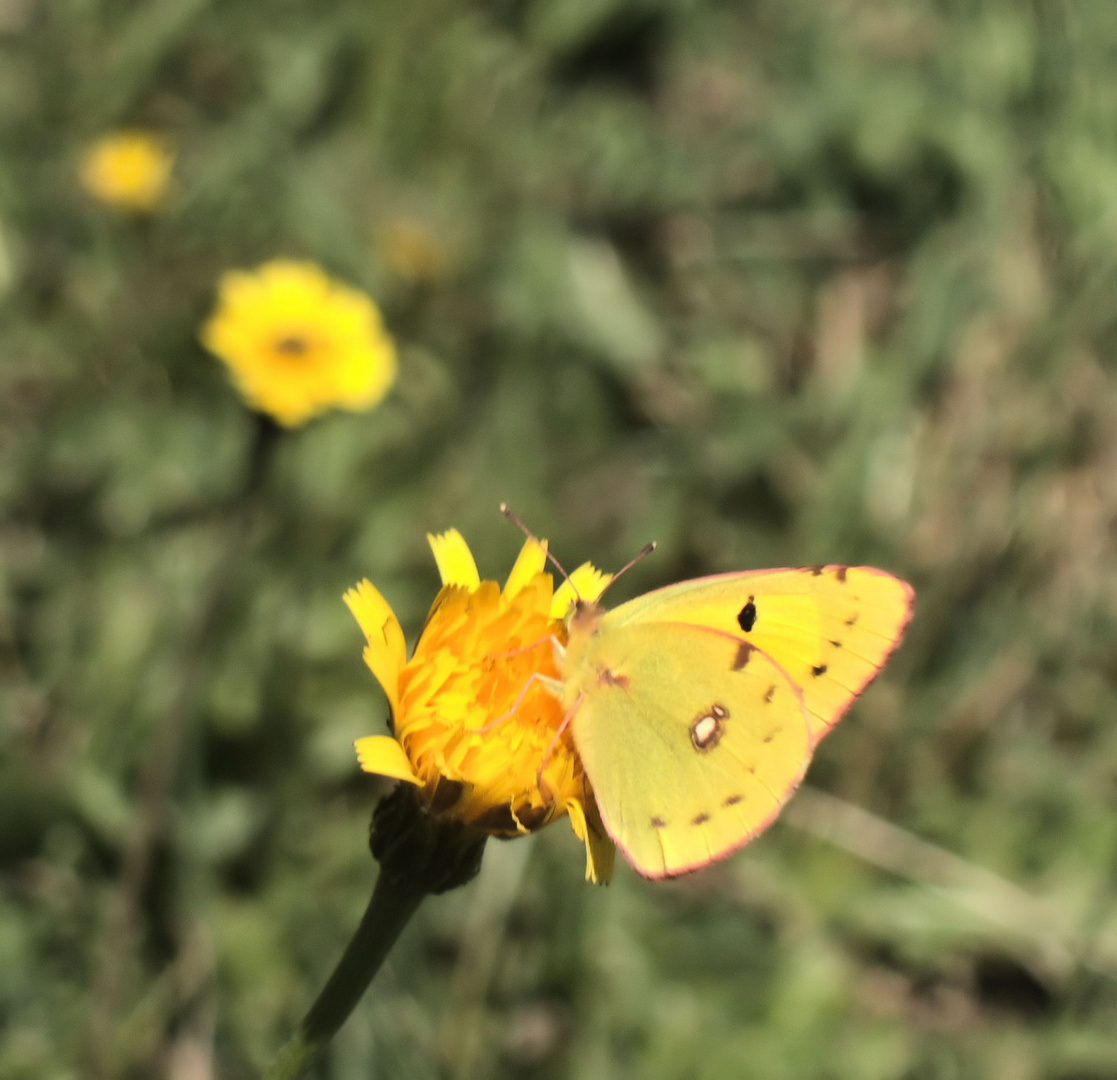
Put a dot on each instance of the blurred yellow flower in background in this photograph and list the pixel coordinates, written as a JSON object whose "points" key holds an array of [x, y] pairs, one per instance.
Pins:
{"points": [[457, 737], [298, 343], [127, 169], [411, 249]]}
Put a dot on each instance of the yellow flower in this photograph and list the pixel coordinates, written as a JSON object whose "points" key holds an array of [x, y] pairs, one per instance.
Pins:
{"points": [[411, 250], [298, 343], [457, 737], [129, 169]]}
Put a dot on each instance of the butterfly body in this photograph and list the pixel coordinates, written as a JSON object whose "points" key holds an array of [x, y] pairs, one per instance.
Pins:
{"points": [[695, 708]]}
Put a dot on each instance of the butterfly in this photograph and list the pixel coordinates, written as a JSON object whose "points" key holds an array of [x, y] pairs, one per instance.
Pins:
{"points": [[695, 708]]}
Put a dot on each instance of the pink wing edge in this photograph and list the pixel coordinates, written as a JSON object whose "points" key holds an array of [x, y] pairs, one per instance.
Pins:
{"points": [[909, 611], [781, 803], [820, 569]]}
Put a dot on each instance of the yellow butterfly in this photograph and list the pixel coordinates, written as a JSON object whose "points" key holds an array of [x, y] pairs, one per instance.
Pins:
{"points": [[695, 708]]}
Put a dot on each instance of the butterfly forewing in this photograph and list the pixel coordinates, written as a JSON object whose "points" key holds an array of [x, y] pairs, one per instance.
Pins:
{"points": [[830, 628], [691, 746]]}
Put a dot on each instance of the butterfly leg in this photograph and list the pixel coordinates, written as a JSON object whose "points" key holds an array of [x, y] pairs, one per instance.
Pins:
{"points": [[551, 745], [551, 685], [555, 643]]}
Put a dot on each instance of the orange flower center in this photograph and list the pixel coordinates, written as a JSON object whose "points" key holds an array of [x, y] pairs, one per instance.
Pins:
{"points": [[294, 348]]}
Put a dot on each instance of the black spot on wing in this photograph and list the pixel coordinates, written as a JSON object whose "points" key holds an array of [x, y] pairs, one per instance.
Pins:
{"points": [[658, 823], [732, 800], [841, 573], [768, 694], [746, 617], [744, 651], [700, 819], [818, 669]]}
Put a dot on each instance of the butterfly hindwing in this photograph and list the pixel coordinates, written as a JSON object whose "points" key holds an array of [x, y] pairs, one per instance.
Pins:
{"points": [[692, 739], [830, 628]]}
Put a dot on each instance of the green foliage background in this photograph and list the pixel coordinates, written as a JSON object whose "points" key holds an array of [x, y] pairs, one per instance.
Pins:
{"points": [[774, 282]]}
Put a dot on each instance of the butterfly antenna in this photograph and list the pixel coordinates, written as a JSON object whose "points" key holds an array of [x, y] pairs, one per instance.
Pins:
{"points": [[643, 553], [507, 511]]}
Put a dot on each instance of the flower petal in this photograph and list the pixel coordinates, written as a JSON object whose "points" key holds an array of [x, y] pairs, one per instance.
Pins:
{"points": [[382, 755], [586, 583], [386, 653], [600, 850], [455, 562], [530, 561]]}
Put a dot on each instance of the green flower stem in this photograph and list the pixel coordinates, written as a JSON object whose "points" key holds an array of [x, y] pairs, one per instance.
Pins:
{"points": [[420, 855], [393, 903]]}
